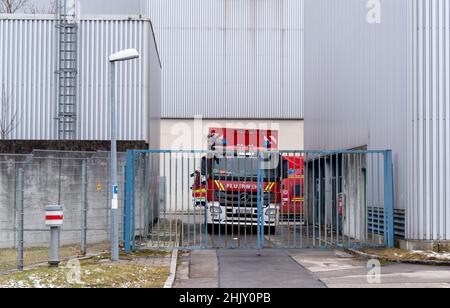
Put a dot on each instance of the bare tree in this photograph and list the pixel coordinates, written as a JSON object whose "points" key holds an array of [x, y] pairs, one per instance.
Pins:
{"points": [[8, 122], [12, 6], [50, 8]]}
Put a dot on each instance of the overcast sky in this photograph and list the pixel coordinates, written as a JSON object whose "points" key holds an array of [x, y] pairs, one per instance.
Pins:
{"points": [[108, 7], [42, 6]]}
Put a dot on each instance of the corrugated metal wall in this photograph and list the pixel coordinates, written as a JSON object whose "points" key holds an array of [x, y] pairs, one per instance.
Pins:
{"points": [[356, 80], [230, 58], [429, 177], [27, 66], [385, 85]]}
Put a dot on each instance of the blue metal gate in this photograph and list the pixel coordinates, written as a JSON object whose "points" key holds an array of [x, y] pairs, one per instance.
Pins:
{"points": [[276, 199]]}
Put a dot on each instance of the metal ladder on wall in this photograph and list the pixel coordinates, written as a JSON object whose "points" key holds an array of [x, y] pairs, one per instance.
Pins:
{"points": [[67, 71]]}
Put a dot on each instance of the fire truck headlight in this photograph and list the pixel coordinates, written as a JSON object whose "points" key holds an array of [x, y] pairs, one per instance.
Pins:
{"points": [[271, 212], [215, 210]]}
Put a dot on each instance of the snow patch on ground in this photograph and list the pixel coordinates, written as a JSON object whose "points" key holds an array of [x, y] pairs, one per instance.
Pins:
{"points": [[444, 256]]}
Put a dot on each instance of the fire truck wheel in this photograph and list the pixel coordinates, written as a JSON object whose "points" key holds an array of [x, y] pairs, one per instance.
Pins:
{"points": [[213, 229], [269, 230]]}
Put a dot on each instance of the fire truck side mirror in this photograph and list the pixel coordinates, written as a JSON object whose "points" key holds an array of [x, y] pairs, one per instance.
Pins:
{"points": [[206, 166]]}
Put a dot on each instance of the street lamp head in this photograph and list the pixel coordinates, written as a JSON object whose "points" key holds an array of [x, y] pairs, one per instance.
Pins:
{"points": [[124, 55]]}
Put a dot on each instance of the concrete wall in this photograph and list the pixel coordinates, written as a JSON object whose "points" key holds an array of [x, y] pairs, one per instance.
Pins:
{"points": [[55, 178]]}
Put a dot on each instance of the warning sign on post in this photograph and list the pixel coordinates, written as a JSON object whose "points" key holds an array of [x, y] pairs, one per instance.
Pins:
{"points": [[115, 199]]}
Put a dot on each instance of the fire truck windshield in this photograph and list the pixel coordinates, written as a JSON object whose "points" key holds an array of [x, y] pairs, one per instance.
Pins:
{"points": [[243, 168]]}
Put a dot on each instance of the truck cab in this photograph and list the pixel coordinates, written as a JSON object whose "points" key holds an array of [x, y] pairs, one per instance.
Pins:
{"points": [[240, 179]]}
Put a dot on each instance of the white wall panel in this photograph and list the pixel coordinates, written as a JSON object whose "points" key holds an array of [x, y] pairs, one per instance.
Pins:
{"points": [[230, 58]]}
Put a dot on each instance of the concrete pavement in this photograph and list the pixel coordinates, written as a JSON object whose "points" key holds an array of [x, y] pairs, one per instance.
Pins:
{"points": [[274, 269], [243, 269], [198, 270], [340, 270], [298, 269]]}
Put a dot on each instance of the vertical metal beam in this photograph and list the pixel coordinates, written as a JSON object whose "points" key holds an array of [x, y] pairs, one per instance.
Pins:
{"points": [[133, 203], [114, 191], [129, 193], [388, 199], [21, 221], [260, 228], [83, 208]]}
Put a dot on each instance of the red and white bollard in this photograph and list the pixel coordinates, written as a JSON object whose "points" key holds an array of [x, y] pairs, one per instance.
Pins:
{"points": [[54, 218]]}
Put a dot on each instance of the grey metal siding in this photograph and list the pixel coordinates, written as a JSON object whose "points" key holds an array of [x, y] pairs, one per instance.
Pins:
{"points": [[385, 86], [27, 77], [429, 162], [27, 66], [230, 59]]}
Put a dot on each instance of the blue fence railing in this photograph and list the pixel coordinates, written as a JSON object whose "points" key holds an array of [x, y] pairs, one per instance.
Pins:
{"points": [[272, 199]]}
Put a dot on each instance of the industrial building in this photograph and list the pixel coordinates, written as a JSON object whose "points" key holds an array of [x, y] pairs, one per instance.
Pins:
{"points": [[329, 75], [232, 63], [377, 77], [38, 91]]}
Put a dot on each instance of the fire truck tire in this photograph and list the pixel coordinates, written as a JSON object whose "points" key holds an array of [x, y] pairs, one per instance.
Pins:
{"points": [[213, 229], [270, 230]]}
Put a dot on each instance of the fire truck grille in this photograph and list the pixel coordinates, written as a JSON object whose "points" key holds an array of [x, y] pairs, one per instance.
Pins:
{"points": [[243, 199]]}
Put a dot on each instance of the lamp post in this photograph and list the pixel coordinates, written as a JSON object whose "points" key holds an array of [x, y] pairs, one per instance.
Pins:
{"points": [[120, 56]]}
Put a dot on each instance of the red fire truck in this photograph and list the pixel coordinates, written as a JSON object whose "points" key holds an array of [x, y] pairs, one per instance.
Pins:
{"points": [[292, 208], [227, 184]]}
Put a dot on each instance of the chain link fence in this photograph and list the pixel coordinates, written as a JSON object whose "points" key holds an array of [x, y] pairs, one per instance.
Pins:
{"points": [[78, 181]]}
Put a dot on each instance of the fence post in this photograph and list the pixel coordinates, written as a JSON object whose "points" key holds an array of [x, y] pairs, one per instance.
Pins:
{"points": [[83, 208], [260, 228], [21, 221], [389, 239], [129, 189]]}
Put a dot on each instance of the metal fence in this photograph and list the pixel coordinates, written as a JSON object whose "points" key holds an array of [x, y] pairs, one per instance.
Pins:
{"points": [[306, 199], [79, 182], [194, 200]]}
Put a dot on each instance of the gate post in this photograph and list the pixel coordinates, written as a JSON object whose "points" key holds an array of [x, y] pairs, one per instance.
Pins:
{"points": [[129, 199], [388, 200], [84, 207], [260, 227], [20, 251]]}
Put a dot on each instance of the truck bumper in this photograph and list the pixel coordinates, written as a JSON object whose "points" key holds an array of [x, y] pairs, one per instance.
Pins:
{"points": [[245, 217]]}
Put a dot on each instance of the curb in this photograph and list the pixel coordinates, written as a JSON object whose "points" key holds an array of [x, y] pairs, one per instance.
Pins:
{"points": [[413, 261], [173, 270]]}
